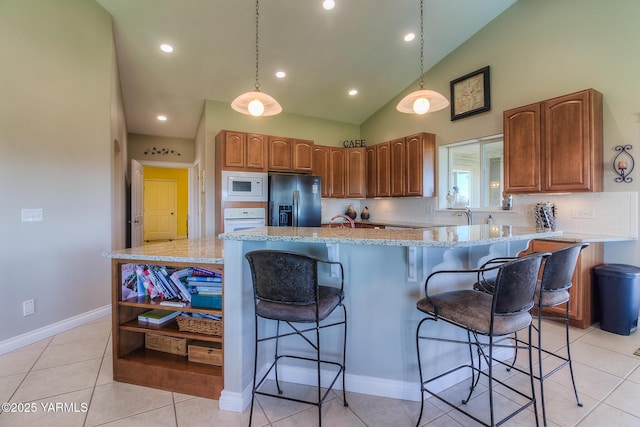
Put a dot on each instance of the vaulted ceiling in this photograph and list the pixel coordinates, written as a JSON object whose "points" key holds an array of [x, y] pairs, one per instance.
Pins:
{"points": [[359, 44]]}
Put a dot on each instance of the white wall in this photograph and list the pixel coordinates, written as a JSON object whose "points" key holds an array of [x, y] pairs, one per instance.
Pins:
{"points": [[539, 49], [56, 153]]}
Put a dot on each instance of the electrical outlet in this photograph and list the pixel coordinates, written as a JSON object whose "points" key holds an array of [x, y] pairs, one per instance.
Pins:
{"points": [[28, 307], [583, 213], [32, 215]]}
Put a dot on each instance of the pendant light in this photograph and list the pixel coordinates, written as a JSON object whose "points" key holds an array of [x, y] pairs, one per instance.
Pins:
{"points": [[256, 103], [423, 100]]}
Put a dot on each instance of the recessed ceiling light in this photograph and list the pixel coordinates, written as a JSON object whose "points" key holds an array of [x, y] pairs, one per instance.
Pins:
{"points": [[328, 4], [281, 74], [162, 118], [409, 36], [166, 48], [353, 92]]}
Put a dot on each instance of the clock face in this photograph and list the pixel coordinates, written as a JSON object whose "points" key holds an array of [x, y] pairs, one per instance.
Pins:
{"points": [[469, 94]]}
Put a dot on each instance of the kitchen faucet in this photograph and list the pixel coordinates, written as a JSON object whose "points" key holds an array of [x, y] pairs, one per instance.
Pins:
{"points": [[468, 214]]}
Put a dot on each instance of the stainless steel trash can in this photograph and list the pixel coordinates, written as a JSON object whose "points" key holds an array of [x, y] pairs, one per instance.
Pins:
{"points": [[619, 296]]}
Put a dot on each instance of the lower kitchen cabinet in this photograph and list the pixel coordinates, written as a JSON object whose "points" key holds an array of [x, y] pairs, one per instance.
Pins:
{"points": [[583, 307]]}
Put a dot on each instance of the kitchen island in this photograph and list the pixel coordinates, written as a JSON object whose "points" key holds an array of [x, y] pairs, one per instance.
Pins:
{"points": [[384, 275]]}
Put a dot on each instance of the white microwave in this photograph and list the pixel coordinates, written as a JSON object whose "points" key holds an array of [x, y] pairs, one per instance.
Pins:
{"points": [[244, 186]]}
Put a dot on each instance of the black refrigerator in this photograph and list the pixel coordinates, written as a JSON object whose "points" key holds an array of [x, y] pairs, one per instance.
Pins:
{"points": [[294, 200]]}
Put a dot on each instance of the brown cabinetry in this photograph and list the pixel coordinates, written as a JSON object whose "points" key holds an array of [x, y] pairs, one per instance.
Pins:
{"points": [[555, 145], [342, 171], [582, 305], [321, 162], [290, 155], [370, 172], [355, 168], [420, 152], [242, 151], [397, 158], [383, 170], [404, 167], [134, 363], [336, 172]]}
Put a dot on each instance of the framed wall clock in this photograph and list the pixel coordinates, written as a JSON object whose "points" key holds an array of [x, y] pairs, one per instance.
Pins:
{"points": [[470, 94]]}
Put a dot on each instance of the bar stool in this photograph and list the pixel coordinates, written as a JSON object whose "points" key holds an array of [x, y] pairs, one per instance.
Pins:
{"points": [[286, 290], [481, 314], [552, 291]]}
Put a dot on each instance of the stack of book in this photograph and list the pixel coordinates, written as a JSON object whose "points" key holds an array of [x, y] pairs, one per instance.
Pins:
{"points": [[164, 283], [205, 287], [157, 316]]}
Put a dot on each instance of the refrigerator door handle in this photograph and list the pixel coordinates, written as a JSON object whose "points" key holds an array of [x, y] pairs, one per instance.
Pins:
{"points": [[296, 208]]}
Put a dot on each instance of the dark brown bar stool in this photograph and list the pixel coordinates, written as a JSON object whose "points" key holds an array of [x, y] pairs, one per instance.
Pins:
{"points": [[286, 290], [495, 315], [552, 291]]}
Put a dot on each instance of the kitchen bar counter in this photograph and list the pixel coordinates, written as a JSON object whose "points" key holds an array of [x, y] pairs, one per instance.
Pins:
{"points": [[384, 276], [443, 237], [205, 250]]}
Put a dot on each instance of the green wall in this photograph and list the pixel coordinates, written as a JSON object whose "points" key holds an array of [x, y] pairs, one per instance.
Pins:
{"points": [[537, 49]]}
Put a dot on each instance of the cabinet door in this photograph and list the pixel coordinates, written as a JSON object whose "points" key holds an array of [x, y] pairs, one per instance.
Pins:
{"points": [[321, 167], [256, 152], [571, 149], [280, 154], [336, 171], [522, 149], [302, 154], [383, 170], [233, 150], [355, 172], [398, 163], [371, 171], [420, 165]]}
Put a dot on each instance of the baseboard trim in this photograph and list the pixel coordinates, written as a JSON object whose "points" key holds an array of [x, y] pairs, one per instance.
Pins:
{"points": [[53, 329]]}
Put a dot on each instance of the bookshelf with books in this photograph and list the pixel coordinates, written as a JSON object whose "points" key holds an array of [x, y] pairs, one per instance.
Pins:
{"points": [[138, 292]]}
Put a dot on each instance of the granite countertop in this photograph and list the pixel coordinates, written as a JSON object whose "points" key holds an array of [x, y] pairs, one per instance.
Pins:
{"points": [[448, 237], [205, 250], [395, 223], [588, 238]]}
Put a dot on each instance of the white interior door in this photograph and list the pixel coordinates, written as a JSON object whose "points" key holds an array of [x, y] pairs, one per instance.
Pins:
{"points": [[160, 204], [137, 205]]}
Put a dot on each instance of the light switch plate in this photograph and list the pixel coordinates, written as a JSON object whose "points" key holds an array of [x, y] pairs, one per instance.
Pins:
{"points": [[32, 215]]}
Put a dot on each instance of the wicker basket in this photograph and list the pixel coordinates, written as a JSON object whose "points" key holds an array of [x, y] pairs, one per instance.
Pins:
{"points": [[199, 325]]}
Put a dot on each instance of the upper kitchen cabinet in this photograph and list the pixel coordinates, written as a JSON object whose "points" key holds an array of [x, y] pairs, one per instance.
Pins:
{"points": [[397, 159], [321, 162], [355, 168], [383, 169], [290, 155], [555, 145], [420, 155], [336, 181], [406, 166], [242, 151], [370, 168]]}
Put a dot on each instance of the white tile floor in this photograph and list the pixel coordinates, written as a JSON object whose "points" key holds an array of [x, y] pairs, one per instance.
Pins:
{"points": [[74, 369]]}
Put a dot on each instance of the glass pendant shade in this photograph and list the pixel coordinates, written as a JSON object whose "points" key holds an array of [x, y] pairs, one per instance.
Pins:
{"points": [[422, 101], [256, 103]]}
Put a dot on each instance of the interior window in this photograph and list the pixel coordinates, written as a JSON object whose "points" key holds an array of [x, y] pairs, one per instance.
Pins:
{"points": [[473, 173]]}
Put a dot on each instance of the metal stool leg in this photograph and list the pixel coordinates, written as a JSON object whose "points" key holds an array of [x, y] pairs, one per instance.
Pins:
{"points": [[344, 359], [573, 380]]}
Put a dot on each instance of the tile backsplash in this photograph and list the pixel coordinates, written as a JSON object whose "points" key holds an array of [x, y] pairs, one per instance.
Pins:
{"points": [[607, 213]]}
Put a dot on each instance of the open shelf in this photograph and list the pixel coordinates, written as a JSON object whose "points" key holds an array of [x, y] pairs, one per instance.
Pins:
{"points": [[135, 364], [169, 329]]}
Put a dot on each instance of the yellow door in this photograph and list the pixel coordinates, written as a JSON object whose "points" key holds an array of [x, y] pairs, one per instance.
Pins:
{"points": [[160, 220]]}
